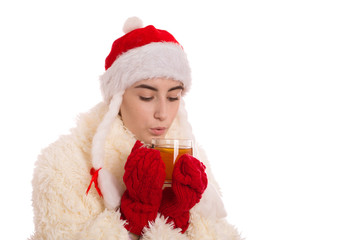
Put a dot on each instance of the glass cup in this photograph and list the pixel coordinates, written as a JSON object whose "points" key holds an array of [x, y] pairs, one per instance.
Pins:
{"points": [[170, 151]]}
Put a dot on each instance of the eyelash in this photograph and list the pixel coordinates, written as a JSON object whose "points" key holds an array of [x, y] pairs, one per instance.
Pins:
{"points": [[148, 99], [171, 99]]}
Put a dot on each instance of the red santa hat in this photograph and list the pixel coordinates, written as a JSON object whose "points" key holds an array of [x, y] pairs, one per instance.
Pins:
{"points": [[142, 53]]}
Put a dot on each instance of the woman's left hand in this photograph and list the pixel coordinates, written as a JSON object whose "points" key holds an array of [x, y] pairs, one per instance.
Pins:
{"points": [[188, 184]]}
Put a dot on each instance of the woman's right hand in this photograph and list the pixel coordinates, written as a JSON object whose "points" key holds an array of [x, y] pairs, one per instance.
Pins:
{"points": [[144, 178]]}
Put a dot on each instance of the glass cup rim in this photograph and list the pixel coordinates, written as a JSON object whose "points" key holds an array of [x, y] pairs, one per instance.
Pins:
{"points": [[183, 142]]}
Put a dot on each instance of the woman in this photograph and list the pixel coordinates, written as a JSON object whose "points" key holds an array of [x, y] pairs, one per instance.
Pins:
{"points": [[102, 182]]}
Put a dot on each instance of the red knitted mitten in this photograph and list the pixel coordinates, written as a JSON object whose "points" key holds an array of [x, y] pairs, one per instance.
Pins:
{"points": [[188, 184], [144, 178]]}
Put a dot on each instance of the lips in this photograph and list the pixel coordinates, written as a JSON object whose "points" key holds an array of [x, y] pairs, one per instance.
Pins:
{"points": [[158, 131]]}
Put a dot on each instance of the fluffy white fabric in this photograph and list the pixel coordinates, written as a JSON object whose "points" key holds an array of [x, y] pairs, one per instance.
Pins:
{"points": [[158, 59], [212, 206], [204, 228], [161, 231], [108, 184], [62, 210]]}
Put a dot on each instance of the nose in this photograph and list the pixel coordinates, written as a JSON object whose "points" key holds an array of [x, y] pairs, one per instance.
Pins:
{"points": [[160, 110]]}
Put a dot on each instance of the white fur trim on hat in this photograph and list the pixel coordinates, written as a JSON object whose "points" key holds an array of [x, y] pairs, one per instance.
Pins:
{"points": [[158, 59]]}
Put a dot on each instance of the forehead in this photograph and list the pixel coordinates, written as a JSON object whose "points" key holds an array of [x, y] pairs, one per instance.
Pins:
{"points": [[158, 83]]}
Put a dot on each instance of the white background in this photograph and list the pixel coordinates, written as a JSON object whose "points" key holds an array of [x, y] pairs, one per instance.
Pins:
{"points": [[275, 102]]}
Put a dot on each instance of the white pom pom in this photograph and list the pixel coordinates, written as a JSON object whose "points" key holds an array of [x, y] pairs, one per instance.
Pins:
{"points": [[132, 23]]}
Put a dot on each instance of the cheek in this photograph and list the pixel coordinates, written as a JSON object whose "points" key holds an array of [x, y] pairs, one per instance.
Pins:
{"points": [[134, 114], [174, 110]]}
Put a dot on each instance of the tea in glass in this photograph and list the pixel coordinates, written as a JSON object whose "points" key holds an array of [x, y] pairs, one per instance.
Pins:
{"points": [[170, 151]]}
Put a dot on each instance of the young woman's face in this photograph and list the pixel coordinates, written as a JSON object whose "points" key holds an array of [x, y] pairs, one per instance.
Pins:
{"points": [[150, 106]]}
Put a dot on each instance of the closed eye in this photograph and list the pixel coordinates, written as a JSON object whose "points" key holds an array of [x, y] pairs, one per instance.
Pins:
{"points": [[146, 99], [173, 99]]}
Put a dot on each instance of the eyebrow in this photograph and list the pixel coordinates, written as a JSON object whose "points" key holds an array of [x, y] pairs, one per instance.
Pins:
{"points": [[155, 89], [176, 88]]}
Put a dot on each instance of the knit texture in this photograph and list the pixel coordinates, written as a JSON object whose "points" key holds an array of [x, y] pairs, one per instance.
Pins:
{"points": [[189, 183], [144, 177]]}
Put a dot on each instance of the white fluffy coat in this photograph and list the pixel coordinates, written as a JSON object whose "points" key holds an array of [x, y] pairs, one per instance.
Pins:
{"points": [[62, 210]]}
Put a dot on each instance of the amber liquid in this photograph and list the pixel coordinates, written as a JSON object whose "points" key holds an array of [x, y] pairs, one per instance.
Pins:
{"points": [[169, 158]]}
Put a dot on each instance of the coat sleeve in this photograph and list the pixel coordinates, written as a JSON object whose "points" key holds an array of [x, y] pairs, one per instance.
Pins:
{"points": [[211, 228], [208, 217], [62, 210], [159, 229]]}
